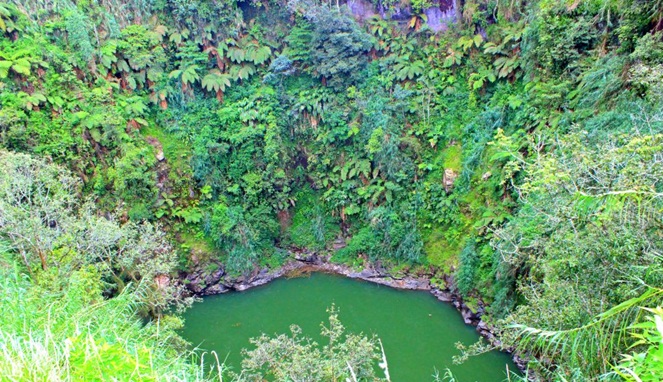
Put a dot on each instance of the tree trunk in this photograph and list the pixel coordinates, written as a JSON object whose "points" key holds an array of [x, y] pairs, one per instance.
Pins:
{"points": [[27, 263], [42, 258], [458, 5]]}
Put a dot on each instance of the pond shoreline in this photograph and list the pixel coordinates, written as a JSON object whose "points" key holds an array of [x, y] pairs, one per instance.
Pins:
{"points": [[205, 283]]}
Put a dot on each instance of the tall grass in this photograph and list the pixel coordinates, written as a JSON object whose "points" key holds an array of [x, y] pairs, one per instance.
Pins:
{"points": [[75, 334]]}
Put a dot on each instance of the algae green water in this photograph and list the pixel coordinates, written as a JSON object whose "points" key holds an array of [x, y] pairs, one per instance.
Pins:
{"points": [[418, 332]]}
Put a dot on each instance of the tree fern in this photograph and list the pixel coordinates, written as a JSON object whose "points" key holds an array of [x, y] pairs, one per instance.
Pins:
{"points": [[79, 38]]}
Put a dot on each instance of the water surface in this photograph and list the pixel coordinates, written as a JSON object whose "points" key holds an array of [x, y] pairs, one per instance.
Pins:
{"points": [[418, 332]]}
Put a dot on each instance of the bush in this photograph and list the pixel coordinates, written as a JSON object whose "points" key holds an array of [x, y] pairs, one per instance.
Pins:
{"points": [[295, 358], [339, 48], [312, 226]]}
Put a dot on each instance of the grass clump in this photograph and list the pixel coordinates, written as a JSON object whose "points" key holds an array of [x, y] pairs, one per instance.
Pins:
{"points": [[72, 333]]}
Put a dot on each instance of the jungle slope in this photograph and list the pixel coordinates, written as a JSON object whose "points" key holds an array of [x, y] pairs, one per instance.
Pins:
{"points": [[519, 150]]}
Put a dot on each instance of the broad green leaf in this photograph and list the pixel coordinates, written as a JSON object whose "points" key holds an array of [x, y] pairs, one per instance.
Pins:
{"points": [[4, 68], [190, 74], [478, 84], [176, 38], [236, 54], [215, 81], [21, 66], [478, 39]]}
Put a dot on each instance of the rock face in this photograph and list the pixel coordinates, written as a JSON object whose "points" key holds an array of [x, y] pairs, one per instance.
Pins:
{"points": [[361, 9], [339, 243], [158, 148], [205, 282], [448, 179], [438, 17]]}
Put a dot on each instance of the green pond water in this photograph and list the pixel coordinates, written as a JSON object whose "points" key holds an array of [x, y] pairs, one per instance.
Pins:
{"points": [[418, 332]]}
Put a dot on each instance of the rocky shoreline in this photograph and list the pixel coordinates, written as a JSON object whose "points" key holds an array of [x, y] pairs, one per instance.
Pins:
{"points": [[210, 282]]}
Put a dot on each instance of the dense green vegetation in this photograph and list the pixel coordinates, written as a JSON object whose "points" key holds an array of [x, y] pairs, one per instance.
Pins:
{"points": [[58, 322], [519, 150]]}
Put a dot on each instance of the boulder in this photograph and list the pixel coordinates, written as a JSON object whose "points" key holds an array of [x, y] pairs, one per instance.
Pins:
{"points": [[339, 243], [214, 277], [158, 148], [366, 273], [443, 295], [216, 289], [468, 316]]}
